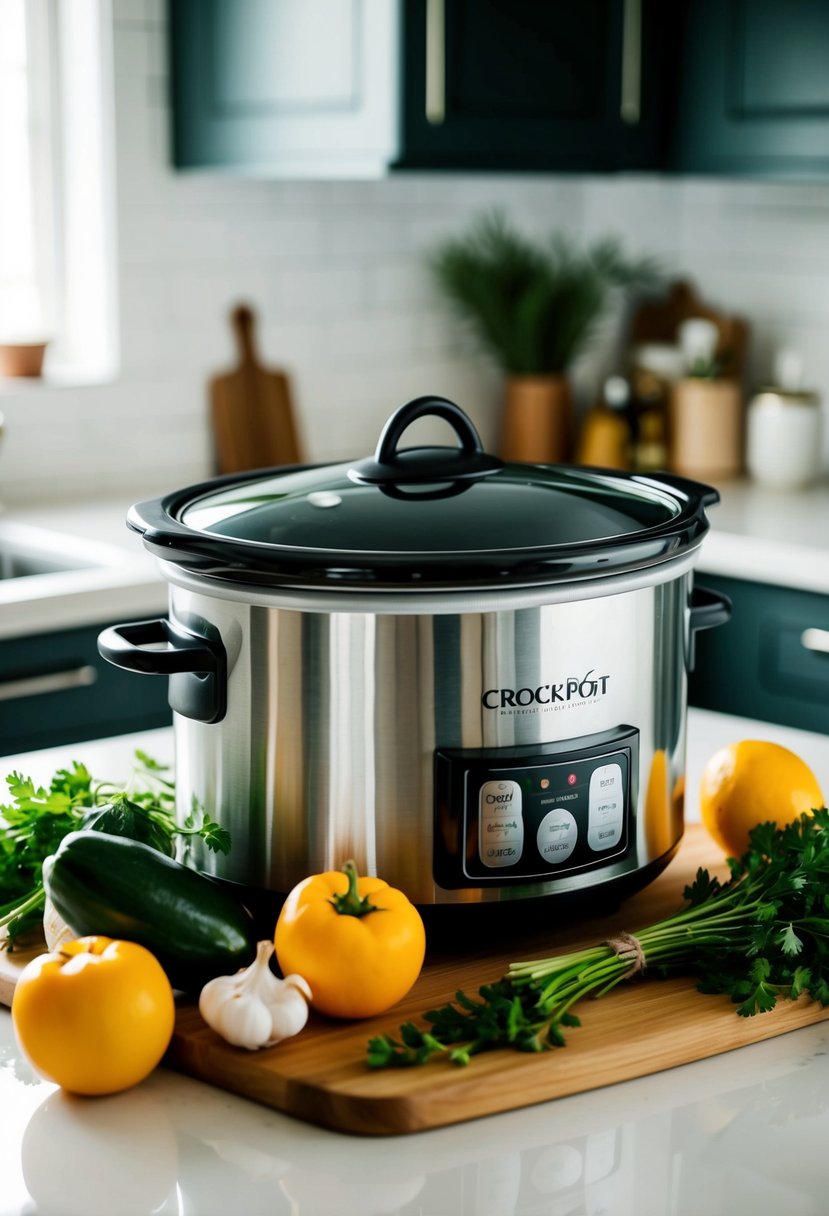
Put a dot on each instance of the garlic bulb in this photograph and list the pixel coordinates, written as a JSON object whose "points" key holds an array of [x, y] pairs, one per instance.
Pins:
{"points": [[55, 929], [253, 1008]]}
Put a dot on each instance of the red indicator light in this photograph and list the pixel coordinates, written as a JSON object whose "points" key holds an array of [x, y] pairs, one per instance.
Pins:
{"points": [[572, 779]]}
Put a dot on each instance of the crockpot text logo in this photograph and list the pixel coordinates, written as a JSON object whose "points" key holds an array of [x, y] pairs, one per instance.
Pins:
{"points": [[588, 687]]}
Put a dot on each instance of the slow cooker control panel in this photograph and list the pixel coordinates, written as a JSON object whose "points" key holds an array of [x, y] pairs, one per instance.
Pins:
{"points": [[515, 814]]}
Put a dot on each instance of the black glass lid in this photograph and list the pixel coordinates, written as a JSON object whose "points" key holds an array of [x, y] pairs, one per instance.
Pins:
{"points": [[425, 517]]}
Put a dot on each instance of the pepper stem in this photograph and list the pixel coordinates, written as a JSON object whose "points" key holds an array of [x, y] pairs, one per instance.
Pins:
{"points": [[351, 903]]}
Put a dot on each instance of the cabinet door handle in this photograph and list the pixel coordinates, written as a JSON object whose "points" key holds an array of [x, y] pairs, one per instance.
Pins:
{"points": [[816, 640], [51, 681], [630, 106], [435, 61]]}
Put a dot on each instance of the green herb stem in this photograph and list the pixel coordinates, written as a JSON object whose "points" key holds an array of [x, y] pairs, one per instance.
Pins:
{"points": [[16, 911]]}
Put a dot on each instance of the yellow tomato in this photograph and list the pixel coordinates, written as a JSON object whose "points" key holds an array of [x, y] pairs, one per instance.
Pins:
{"points": [[357, 941], [96, 1016], [753, 782]]}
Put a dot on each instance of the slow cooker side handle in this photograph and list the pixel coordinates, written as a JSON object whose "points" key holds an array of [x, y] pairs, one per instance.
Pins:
{"points": [[196, 665], [709, 608]]}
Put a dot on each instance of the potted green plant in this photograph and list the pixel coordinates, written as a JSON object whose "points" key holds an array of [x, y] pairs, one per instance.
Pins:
{"points": [[535, 307]]}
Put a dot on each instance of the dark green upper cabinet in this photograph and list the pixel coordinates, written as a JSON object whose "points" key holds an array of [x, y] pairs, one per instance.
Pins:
{"points": [[520, 84], [293, 88], [352, 88], [753, 95]]}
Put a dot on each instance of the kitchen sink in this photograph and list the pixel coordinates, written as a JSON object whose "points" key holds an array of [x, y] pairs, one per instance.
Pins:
{"points": [[20, 564], [30, 552], [73, 573]]}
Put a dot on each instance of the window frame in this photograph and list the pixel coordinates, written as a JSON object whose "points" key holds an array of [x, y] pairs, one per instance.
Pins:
{"points": [[72, 171]]}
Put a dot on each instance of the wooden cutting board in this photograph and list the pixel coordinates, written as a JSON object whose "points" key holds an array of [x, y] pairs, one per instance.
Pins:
{"points": [[251, 409], [643, 1027]]}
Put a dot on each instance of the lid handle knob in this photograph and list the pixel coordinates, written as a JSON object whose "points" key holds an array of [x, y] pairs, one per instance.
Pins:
{"points": [[390, 465]]}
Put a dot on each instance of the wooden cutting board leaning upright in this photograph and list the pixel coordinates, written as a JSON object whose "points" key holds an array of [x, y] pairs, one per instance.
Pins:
{"points": [[251, 409]]}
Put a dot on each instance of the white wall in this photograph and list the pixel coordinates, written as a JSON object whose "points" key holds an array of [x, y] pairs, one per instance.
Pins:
{"points": [[336, 272]]}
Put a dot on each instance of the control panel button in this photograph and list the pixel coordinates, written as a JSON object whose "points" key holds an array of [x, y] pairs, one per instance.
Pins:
{"points": [[606, 807], [500, 824], [557, 835]]}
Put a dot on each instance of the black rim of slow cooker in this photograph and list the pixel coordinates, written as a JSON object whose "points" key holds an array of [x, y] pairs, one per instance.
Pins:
{"points": [[253, 562]]}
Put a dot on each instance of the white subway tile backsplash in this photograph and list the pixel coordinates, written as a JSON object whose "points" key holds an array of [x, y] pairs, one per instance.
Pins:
{"points": [[398, 280], [439, 332], [289, 345], [376, 337], [309, 290], [144, 297], [202, 296], [273, 236], [157, 235], [364, 232]]}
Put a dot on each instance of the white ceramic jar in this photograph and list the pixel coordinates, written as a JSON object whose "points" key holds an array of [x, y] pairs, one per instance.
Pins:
{"points": [[783, 440]]}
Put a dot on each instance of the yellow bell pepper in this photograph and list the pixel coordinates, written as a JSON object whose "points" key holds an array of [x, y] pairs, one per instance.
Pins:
{"points": [[358, 942]]}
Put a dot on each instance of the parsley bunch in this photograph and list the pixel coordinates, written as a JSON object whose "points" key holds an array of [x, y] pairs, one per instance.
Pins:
{"points": [[34, 823], [760, 937]]}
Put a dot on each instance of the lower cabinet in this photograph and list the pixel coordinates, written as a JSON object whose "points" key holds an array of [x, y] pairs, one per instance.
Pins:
{"points": [[770, 661], [55, 688]]}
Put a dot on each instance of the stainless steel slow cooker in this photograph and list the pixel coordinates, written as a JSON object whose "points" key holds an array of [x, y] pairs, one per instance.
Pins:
{"points": [[469, 676]]}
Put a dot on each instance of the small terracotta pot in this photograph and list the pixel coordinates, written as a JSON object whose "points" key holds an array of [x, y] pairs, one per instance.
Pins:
{"points": [[538, 419], [706, 428], [21, 358]]}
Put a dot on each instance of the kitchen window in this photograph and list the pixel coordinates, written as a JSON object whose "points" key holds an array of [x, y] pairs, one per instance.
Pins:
{"points": [[57, 186]]}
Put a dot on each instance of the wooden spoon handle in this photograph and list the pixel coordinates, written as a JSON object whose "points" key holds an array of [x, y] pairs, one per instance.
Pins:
{"points": [[243, 321]]}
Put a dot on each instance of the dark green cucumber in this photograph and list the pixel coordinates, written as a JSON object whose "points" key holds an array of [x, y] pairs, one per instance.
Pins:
{"points": [[120, 888]]}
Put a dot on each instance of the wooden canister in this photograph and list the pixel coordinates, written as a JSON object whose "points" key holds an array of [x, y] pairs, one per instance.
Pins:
{"points": [[706, 428]]}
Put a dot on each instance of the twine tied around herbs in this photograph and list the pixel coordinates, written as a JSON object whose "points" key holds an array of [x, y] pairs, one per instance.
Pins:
{"points": [[628, 947]]}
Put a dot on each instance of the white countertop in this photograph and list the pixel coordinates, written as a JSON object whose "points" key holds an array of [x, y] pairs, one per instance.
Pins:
{"points": [[770, 536], [741, 1134], [121, 583]]}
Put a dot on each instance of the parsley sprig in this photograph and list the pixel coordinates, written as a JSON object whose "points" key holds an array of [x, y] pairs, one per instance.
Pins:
{"points": [[37, 818], [760, 937]]}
